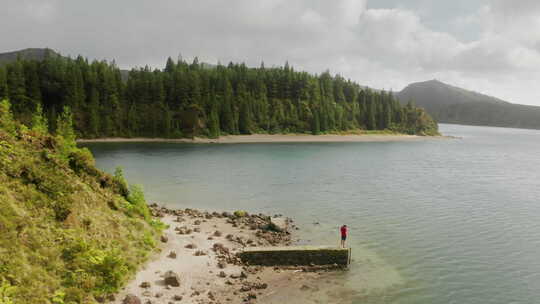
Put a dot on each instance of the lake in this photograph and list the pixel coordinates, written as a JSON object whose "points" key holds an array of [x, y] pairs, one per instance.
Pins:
{"points": [[435, 221]]}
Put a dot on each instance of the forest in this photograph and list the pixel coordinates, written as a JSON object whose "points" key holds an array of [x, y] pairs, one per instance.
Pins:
{"points": [[196, 99]]}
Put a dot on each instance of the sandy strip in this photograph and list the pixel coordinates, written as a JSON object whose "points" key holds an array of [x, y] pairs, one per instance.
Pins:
{"points": [[266, 138], [201, 280]]}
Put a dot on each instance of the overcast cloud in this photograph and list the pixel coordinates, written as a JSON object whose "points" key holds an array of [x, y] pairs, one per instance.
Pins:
{"points": [[491, 46]]}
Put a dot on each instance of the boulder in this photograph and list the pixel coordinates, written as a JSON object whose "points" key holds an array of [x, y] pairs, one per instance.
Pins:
{"points": [[177, 298], [145, 285], [131, 299], [164, 239], [278, 224], [199, 253], [172, 279], [245, 288]]}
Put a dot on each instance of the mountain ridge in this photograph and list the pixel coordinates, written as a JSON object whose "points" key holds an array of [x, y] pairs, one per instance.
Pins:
{"points": [[28, 54], [451, 104]]}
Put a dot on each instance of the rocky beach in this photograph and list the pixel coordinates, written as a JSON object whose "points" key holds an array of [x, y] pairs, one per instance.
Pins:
{"points": [[197, 262]]}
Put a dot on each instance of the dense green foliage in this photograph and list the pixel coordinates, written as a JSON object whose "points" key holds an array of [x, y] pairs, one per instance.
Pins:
{"points": [[451, 104], [193, 99], [69, 232]]}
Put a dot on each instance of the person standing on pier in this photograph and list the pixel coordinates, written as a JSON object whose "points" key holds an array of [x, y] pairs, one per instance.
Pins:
{"points": [[343, 230]]}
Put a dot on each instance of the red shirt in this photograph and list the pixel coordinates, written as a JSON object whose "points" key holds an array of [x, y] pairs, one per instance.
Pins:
{"points": [[343, 231]]}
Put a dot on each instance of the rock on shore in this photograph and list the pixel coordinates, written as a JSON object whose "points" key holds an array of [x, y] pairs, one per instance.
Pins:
{"points": [[198, 261]]}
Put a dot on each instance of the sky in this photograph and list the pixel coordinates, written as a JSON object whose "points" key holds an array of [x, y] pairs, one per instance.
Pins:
{"points": [[490, 46]]}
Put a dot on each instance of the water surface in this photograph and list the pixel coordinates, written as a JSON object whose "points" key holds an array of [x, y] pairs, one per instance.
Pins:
{"points": [[436, 221]]}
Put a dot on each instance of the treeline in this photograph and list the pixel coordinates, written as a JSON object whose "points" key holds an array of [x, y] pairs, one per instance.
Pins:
{"points": [[193, 99]]}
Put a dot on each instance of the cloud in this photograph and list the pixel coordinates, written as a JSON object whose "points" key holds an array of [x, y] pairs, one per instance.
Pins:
{"points": [[384, 47]]}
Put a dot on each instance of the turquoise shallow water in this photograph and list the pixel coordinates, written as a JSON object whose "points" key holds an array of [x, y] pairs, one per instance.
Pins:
{"points": [[435, 221]]}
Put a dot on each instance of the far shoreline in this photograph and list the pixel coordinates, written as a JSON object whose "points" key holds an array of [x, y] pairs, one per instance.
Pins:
{"points": [[272, 138]]}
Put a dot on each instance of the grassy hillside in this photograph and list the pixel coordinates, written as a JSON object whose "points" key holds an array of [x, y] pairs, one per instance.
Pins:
{"points": [[451, 104], [69, 232]]}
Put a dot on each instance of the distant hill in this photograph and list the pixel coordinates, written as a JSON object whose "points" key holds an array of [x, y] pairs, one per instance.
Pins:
{"points": [[450, 104], [28, 54], [40, 53]]}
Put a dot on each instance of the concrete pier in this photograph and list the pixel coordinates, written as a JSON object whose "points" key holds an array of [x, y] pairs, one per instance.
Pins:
{"points": [[296, 255]]}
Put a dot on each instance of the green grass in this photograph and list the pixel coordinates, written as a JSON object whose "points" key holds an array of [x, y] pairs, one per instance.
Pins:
{"points": [[69, 232]]}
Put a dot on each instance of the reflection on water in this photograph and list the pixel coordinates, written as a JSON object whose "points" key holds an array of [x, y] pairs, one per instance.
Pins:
{"points": [[437, 221]]}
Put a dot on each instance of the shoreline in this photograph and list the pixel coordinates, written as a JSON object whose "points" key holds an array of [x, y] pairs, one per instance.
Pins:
{"points": [[272, 138], [200, 248]]}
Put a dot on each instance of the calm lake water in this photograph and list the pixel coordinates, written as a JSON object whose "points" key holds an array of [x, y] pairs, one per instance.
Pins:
{"points": [[435, 221]]}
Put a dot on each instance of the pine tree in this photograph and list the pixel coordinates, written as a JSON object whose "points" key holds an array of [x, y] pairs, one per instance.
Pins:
{"points": [[64, 131], [3, 84], [213, 123], [17, 90], [39, 121], [7, 122], [229, 99]]}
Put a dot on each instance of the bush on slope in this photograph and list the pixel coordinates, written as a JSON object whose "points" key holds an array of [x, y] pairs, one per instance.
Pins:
{"points": [[69, 233]]}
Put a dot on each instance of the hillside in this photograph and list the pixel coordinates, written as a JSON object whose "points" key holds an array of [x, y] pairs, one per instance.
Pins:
{"points": [[27, 54], [70, 233], [39, 54], [449, 104]]}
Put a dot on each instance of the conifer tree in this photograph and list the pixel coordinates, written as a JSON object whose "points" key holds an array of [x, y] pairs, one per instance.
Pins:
{"points": [[39, 121], [65, 133], [228, 99], [3, 83]]}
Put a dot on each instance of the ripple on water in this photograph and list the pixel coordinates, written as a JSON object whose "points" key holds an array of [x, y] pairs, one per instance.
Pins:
{"points": [[453, 221]]}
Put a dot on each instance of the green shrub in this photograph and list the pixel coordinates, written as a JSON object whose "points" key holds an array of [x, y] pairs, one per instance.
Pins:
{"points": [[6, 117], [137, 203], [81, 160], [6, 291], [39, 122], [58, 297], [121, 185], [240, 213], [64, 225]]}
